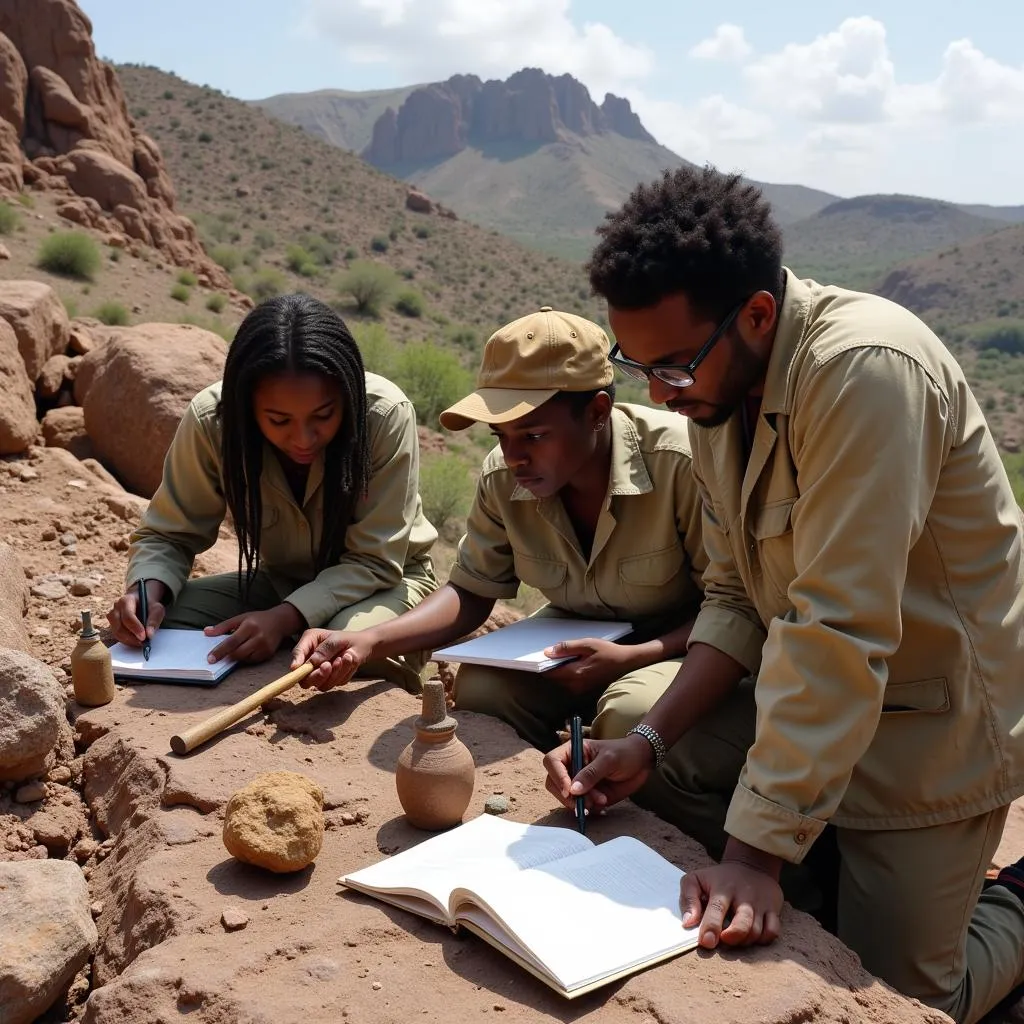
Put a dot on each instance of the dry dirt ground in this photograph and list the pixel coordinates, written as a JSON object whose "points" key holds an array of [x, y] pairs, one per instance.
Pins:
{"points": [[149, 837]]}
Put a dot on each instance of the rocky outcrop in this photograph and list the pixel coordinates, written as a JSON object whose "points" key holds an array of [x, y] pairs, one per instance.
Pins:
{"points": [[144, 376], [32, 721], [18, 425], [437, 121], [46, 934], [65, 128], [39, 320]]}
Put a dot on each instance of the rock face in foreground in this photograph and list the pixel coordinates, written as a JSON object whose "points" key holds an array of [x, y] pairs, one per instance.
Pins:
{"points": [[314, 952], [46, 934], [31, 715], [65, 128]]}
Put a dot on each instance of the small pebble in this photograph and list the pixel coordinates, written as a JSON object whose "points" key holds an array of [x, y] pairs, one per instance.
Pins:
{"points": [[49, 534], [82, 588], [233, 919], [348, 818], [68, 539], [62, 774], [377, 986], [28, 473], [30, 793], [496, 805], [95, 909]]}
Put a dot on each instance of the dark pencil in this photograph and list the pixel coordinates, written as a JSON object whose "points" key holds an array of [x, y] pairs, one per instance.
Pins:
{"points": [[576, 755], [144, 617]]}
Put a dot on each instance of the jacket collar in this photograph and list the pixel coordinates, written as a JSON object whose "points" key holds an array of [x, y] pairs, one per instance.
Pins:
{"points": [[793, 317]]}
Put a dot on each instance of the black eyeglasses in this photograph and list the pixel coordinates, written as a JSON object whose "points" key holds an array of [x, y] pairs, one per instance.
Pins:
{"points": [[677, 375]]}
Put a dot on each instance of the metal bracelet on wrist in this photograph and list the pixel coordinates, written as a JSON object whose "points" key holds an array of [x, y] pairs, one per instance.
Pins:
{"points": [[654, 738]]}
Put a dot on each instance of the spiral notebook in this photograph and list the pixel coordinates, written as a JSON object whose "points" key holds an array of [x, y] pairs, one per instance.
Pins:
{"points": [[176, 656]]}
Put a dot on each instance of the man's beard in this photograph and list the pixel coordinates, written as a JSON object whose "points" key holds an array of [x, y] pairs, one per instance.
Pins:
{"points": [[746, 369]]}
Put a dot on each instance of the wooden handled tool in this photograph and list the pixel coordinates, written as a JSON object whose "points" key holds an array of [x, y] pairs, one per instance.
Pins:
{"points": [[192, 738]]}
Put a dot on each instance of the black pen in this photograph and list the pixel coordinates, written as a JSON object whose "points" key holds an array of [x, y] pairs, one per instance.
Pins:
{"points": [[576, 756], [144, 618]]}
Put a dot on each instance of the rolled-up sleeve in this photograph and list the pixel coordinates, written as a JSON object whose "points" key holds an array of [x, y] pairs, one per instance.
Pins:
{"points": [[870, 432], [185, 513], [377, 539], [727, 619], [485, 563]]}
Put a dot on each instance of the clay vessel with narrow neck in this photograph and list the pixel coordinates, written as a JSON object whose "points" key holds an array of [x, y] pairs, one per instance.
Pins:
{"points": [[92, 674], [435, 772]]}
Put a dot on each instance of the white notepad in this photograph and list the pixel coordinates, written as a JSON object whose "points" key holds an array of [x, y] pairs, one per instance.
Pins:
{"points": [[521, 645], [176, 656]]}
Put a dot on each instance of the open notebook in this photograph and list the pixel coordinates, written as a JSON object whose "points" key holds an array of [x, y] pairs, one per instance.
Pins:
{"points": [[176, 656], [522, 644], [575, 914]]}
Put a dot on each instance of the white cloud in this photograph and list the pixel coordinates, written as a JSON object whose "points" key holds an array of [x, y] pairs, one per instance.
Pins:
{"points": [[429, 40], [843, 76], [727, 44]]}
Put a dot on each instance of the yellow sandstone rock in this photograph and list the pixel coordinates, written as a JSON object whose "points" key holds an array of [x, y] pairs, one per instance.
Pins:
{"points": [[276, 822]]}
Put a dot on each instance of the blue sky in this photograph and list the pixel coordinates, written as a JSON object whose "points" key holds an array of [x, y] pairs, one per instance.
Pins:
{"points": [[884, 97]]}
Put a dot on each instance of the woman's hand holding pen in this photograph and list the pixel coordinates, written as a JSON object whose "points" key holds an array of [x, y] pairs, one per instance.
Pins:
{"points": [[614, 770], [124, 620]]}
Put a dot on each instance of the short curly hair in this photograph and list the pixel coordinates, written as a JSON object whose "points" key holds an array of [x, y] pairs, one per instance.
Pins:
{"points": [[698, 231]]}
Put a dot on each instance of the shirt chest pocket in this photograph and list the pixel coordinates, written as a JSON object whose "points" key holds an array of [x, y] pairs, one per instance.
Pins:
{"points": [[654, 582], [548, 575], [772, 531]]}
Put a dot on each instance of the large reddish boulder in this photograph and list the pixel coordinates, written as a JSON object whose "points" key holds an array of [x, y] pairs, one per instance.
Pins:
{"points": [[134, 390], [18, 425], [39, 320]]}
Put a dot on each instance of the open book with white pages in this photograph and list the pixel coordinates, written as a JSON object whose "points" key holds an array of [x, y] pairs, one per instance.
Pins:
{"points": [[575, 914]]}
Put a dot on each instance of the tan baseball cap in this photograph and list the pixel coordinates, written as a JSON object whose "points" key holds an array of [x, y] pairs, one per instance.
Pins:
{"points": [[529, 361]]}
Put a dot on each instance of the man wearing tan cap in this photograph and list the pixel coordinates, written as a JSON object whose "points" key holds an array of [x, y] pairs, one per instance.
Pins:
{"points": [[589, 502]]}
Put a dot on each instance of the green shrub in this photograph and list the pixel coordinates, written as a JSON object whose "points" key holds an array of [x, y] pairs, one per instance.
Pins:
{"points": [[423, 231], [445, 487], [378, 349], [351, 253], [1003, 335], [266, 284], [225, 256], [299, 261], [112, 313], [216, 303], [321, 248], [181, 292], [432, 377], [114, 255], [8, 219], [205, 137], [168, 95], [410, 303], [369, 284], [379, 243], [187, 278], [70, 254]]}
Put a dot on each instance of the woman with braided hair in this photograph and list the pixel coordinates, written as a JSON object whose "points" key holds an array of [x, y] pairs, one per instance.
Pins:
{"points": [[317, 463]]}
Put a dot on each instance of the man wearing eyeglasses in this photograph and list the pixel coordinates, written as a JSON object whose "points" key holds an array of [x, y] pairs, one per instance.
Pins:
{"points": [[865, 547]]}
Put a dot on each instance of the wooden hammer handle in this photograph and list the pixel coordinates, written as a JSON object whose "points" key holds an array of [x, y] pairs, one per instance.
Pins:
{"points": [[188, 740]]}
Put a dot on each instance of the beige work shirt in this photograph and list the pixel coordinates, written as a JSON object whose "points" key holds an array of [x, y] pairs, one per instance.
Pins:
{"points": [[874, 544], [388, 533], [647, 558]]}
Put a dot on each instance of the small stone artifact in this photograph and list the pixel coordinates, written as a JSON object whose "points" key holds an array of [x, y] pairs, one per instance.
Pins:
{"points": [[92, 673], [276, 822], [435, 772]]}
